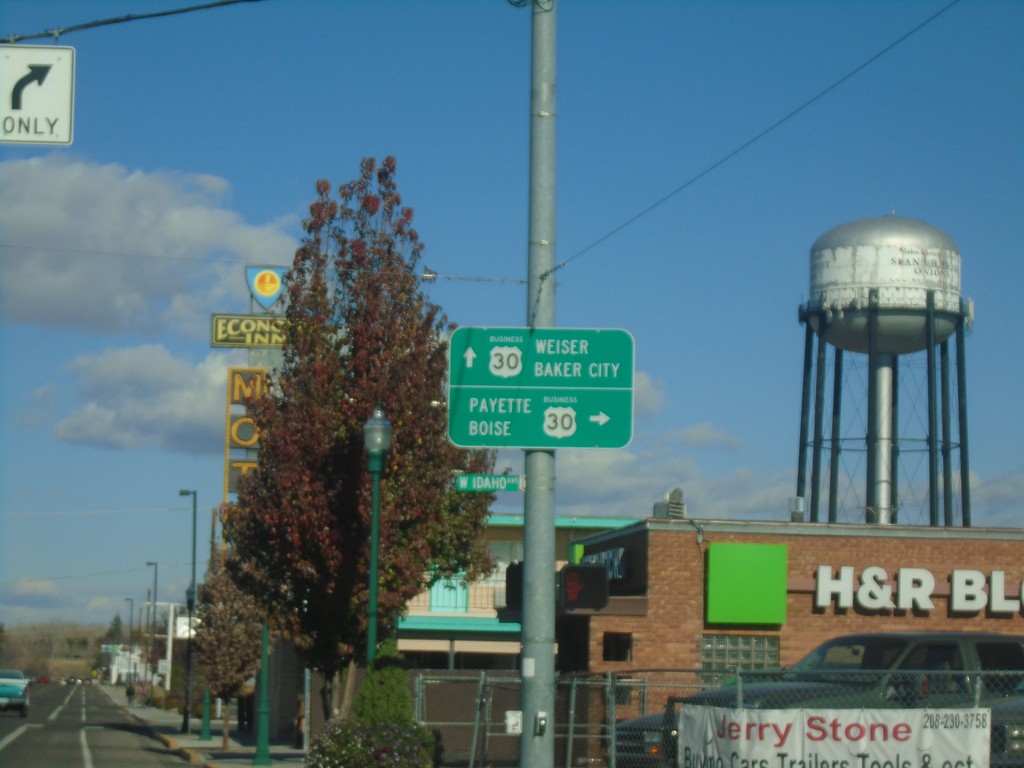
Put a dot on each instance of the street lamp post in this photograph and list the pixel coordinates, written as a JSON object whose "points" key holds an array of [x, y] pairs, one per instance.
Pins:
{"points": [[190, 601], [377, 439], [131, 611], [152, 629]]}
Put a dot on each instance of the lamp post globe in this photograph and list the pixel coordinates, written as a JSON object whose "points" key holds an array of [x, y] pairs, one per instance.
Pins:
{"points": [[377, 439]]}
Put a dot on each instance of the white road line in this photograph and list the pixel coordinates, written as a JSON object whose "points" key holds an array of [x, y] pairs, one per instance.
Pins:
{"points": [[53, 715], [86, 754], [12, 736]]}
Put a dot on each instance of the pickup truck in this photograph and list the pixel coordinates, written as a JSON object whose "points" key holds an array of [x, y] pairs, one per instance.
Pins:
{"points": [[882, 670], [14, 691]]}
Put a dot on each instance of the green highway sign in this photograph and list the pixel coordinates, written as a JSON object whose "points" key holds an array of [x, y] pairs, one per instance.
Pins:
{"points": [[489, 483], [540, 388]]}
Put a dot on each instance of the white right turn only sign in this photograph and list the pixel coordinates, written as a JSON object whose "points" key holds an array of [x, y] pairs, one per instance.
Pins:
{"points": [[37, 94]]}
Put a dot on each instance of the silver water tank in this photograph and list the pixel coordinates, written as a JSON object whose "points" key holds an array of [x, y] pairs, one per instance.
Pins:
{"points": [[902, 260]]}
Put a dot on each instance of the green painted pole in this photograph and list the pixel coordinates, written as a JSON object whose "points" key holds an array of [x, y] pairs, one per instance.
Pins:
{"points": [[204, 734], [262, 756], [377, 440], [371, 623]]}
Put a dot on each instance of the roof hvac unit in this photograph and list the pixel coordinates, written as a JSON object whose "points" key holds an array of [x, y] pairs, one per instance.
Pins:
{"points": [[671, 506]]}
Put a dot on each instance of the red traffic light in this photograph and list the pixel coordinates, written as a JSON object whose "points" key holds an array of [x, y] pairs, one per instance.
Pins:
{"points": [[583, 586]]}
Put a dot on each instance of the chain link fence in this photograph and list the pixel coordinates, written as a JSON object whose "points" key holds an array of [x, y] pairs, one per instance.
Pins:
{"points": [[618, 720], [476, 715]]}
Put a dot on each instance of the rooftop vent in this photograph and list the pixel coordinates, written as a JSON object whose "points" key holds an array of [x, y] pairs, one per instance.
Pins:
{"points": [[672, 506]]}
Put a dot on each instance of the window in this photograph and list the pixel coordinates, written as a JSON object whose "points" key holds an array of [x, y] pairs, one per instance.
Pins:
{"points": [[722, 655], [505, 552], [618, 646], [449, 596]]}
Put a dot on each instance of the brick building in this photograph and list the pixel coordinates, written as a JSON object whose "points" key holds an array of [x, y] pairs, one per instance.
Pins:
{"points": [[717, 595]]}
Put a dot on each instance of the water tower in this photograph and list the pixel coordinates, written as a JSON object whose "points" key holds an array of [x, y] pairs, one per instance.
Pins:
{"points": [[884, 288]]}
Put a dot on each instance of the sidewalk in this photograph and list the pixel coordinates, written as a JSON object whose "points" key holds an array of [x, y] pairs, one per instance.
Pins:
{"points": [[166, 726]]}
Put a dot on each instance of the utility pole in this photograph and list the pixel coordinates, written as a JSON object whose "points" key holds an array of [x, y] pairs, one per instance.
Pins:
{"points": [[537, 744]]}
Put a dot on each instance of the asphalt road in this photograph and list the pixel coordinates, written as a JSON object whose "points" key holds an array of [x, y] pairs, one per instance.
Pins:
{"points": [[78, 726]]}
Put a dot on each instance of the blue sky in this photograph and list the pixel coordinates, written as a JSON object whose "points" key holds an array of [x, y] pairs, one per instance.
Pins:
{"points": [[198, 140]]}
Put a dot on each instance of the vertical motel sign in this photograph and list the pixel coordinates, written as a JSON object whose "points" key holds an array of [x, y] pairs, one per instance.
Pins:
{"points": [[241, 438]]}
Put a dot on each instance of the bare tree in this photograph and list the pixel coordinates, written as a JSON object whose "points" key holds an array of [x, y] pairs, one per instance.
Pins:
{"points": [[228, 637]]}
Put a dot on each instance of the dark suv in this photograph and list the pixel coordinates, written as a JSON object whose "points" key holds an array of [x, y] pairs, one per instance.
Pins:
{"points": [[883, 670]]}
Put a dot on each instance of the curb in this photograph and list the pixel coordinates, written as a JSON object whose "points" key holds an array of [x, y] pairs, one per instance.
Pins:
{"points": [[190, 755]]}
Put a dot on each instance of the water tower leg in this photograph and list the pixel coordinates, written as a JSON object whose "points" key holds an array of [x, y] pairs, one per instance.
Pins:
{"points": [[819, 408], [871, 468], [837, 402], [894, 476], [805, 406], [933, 410], [880, 469], [947, 438], [965, 464], [881, 473]]}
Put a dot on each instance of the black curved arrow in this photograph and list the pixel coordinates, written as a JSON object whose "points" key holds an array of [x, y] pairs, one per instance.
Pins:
{"points": [[36, 74]]}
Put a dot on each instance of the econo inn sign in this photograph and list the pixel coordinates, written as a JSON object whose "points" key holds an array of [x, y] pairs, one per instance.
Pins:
{"points": [[969, 591]]}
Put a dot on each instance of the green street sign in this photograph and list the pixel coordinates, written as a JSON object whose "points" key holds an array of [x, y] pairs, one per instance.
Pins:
{"points": [[540, 388], [489, 483]]}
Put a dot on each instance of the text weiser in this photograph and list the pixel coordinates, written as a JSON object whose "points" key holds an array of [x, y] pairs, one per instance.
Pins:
{"points": [[969, 591]]}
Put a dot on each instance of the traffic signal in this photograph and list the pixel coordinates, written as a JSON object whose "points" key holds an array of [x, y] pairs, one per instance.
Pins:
{"points": [[583, 586], [514, 587]]}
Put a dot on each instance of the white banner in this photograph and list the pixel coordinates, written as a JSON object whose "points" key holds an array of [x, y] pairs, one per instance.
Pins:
{"points": [[714, 737]]}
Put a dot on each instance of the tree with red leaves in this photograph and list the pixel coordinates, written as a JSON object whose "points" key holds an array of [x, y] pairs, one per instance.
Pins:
{"points": [[359, 333]]}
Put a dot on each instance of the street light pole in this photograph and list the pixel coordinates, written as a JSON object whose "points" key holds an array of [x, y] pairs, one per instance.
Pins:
{"points": [[377, 439], [131, 611], [190, 601], [152, 629]]}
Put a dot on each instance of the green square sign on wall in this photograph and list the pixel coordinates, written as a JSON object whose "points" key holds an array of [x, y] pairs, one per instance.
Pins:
{"points": [[746, 584]]}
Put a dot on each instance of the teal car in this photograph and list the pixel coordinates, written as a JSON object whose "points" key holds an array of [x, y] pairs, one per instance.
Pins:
{"points": [[14, 691]]}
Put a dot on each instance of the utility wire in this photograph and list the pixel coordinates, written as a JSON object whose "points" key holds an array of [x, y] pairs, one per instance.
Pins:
{"points": [[57, 32], [429, 276], [750, 142]]}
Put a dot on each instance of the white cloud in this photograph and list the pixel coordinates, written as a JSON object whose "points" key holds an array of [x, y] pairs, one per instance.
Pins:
{"points": [[995, 502], [707, 434], [40, 404], [143, 396], [627, 483], [103, 249], [648, 394]]}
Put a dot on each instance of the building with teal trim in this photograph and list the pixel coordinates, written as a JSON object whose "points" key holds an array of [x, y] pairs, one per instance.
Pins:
{"points": [[461, 625]]}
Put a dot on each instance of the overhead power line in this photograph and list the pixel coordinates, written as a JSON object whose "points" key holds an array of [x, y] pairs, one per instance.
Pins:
{"points": [[750, 142], [430, 276], [59, 31]]}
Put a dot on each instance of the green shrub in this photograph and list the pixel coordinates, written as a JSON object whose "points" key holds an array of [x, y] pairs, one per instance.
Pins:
{"points": [[352, 744], [384, 696], [381, 732]]}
